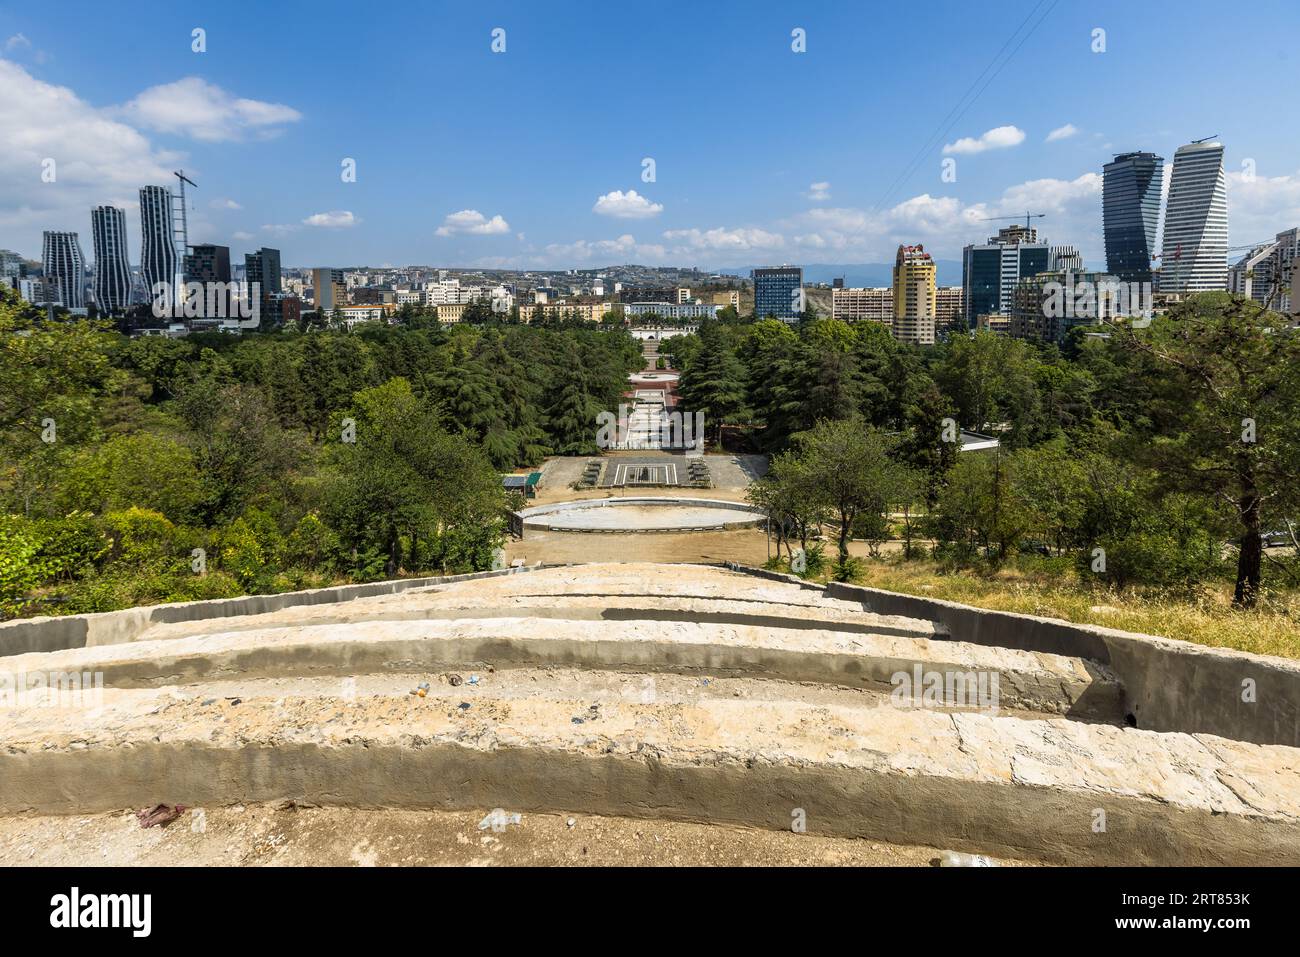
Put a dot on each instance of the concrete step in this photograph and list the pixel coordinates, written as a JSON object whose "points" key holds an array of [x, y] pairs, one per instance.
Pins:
{"points": [[576, 607], [950, 673], [1020, 788]]}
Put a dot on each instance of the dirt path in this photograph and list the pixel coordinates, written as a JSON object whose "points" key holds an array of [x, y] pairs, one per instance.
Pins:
{"points": [[297, 836]]}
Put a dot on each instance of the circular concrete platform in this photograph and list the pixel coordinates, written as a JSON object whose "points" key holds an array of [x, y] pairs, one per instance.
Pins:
{"points": [[642, 515]]}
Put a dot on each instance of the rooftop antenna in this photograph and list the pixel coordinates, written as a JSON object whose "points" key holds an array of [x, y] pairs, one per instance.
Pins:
{"points": [[1204, 139]]}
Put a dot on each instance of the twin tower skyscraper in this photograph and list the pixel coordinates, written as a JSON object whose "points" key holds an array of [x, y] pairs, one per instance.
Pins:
{"points": [[158, 255], [1194, 250], [64, 264]]}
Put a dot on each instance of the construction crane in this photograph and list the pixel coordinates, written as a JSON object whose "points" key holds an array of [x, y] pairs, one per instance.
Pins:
{"points": [[1204, 139], [1179, 249], [1028, 217], [180, 225]]}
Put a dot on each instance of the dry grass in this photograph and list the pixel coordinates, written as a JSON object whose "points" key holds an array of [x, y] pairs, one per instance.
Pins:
{"points": [[1207, 619]]}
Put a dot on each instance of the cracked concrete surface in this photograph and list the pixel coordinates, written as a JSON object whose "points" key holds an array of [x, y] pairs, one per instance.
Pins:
{"points": [[676, 693]]}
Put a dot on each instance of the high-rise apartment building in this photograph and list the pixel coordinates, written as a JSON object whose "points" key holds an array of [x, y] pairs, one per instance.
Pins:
{"points": [[1286, 272], [778, 292], [112, 287], [914, 296], [331, 289], [210, 264], [263, 268], [949, 310], [11, 264], [1047, 306], [1252, 275], [158, 262], [1194, 252], [65, 269], [1267, 272], [1130, 210]]}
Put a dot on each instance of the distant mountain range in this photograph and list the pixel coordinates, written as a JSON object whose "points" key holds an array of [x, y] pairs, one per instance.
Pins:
{"points": [[947, 273]]}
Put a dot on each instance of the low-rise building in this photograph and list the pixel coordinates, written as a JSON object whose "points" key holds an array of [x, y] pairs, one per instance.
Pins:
{"points": [[671, 310], [863, 304], [729, 297]]}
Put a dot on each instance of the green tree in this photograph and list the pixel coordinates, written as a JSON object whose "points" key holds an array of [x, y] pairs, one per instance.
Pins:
{"points": [[849, 467], [714, 382], [1229, 399], [407, 489]]}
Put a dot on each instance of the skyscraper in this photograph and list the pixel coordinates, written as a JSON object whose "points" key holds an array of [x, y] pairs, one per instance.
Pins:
{"points": [[777, 292], [65, 269], [157, 238], [263, 268], [207, 262], [210, 264], [11, 264], [1194, 254], [1267, 272], [990, 271], [331, 289], [914, 296], [1130, 210], [112, 268]]}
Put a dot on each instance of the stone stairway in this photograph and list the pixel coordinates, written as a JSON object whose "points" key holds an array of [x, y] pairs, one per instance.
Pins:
{"points": [[671, 692]]}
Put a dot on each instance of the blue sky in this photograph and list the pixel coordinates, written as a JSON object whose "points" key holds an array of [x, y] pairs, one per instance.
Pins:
{"points": [[469, 157]]}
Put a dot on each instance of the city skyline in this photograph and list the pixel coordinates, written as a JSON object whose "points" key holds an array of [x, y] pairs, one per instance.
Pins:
{"points": [[462, 166]]}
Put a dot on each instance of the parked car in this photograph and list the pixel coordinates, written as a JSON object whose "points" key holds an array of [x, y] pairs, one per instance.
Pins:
{"points": [[1277, 539], [1032, 546]]}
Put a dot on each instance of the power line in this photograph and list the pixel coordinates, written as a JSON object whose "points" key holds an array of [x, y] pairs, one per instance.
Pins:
{"points": [[968, 98]]}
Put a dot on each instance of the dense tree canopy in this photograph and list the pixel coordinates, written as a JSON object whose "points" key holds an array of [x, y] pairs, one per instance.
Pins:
{"points": [[1153, 455], [138, 470], [149, 469]]}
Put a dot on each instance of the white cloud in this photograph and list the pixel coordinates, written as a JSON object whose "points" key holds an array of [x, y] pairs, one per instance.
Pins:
{"points": [[333, 219], [241, 236], [1260, 207], [946, 223], [819, 192], [280, 229], [196, 108], [1062, 133], [721, 238], [629, 205], [604, 251], [225, 204], [1000, 137], [18, 44], [97, 160], [470, 222], [1052, 195]]}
